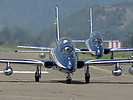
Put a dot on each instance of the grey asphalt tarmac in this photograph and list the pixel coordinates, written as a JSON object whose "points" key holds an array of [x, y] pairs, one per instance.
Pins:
{"points": [[52, 86]]}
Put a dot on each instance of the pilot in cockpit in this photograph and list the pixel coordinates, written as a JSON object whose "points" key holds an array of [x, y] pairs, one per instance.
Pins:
{"points": [[97, 42], [67, 49]]}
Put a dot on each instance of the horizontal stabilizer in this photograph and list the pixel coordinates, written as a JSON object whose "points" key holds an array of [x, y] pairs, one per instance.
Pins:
{"points": [[85, 52], [110, 41], [121, 49], [20, 51], [34, 47], [78, 41]]}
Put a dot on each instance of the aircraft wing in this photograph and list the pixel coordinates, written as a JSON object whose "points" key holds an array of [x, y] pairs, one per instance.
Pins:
{"points": [[25, 72], [23, 61], [108, 61], [121, 49], [28, 61], [34, 47]]}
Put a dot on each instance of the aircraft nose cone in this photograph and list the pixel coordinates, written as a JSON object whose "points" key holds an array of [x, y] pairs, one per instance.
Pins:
{"points": [[98, 53], [70, 67]]}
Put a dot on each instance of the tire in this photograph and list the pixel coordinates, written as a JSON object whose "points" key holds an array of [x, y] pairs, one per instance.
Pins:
{"points": [[69, 81], [36, 77], [87, 78]]}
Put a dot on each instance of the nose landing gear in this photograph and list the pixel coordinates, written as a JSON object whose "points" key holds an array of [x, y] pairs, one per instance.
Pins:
{"points": [[37, 74], [68, 79]]}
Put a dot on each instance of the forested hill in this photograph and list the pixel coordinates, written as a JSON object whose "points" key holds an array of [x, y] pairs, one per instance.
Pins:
{"points": [[113, 21]]}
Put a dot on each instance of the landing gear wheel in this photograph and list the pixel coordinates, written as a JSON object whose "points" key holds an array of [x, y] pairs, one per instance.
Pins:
{"points": [[112, 55], [87, 78], [68, 79], [37, 74], [87, 74]]}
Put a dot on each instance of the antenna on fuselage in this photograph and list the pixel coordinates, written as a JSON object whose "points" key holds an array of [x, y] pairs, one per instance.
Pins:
{"points": [[57, 23], [90, 20]]}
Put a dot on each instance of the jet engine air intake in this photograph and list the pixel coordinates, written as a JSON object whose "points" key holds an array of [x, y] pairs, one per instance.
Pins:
{"points": [[49, 64], [106, 51], [80, 64]]}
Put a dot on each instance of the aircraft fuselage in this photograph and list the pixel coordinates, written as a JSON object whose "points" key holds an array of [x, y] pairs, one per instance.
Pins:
{"points": [[64, 56], [95, 43]]}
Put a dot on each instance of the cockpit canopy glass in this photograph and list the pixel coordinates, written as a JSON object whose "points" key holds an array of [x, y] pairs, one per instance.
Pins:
{"points": [[66, 51], [65, 47], [96, 39]]}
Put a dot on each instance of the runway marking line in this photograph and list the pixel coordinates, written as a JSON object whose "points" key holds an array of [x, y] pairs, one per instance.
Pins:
{"points": [[101, 69]]}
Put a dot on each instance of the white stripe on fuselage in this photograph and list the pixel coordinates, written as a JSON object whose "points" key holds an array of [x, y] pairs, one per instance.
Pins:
{"points": [[56, 60], [88, 46]]}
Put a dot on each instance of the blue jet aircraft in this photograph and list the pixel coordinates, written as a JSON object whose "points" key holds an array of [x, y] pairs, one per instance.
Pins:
{"points": [[63, 56], [95, 44], [63, 59]]}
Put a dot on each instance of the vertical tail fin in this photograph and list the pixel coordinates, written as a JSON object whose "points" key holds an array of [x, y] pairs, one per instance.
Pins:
{"points": [[91, 20], [57, 24]]}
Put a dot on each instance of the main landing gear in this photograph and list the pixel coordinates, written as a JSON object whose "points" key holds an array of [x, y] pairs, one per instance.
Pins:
{"points": [[87, 74], [68, 79], [112, 55], [37, 74]]}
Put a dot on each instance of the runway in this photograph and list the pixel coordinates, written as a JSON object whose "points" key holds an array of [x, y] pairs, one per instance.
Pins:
{"points": [[52, 85]]}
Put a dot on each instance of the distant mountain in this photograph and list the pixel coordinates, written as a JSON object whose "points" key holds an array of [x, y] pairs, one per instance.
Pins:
{"points": [[39, 14]]}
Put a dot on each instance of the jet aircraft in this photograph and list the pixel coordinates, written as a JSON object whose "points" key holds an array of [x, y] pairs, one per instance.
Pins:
{"points": [[63, 59], [63, 56], [95, 43]]}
